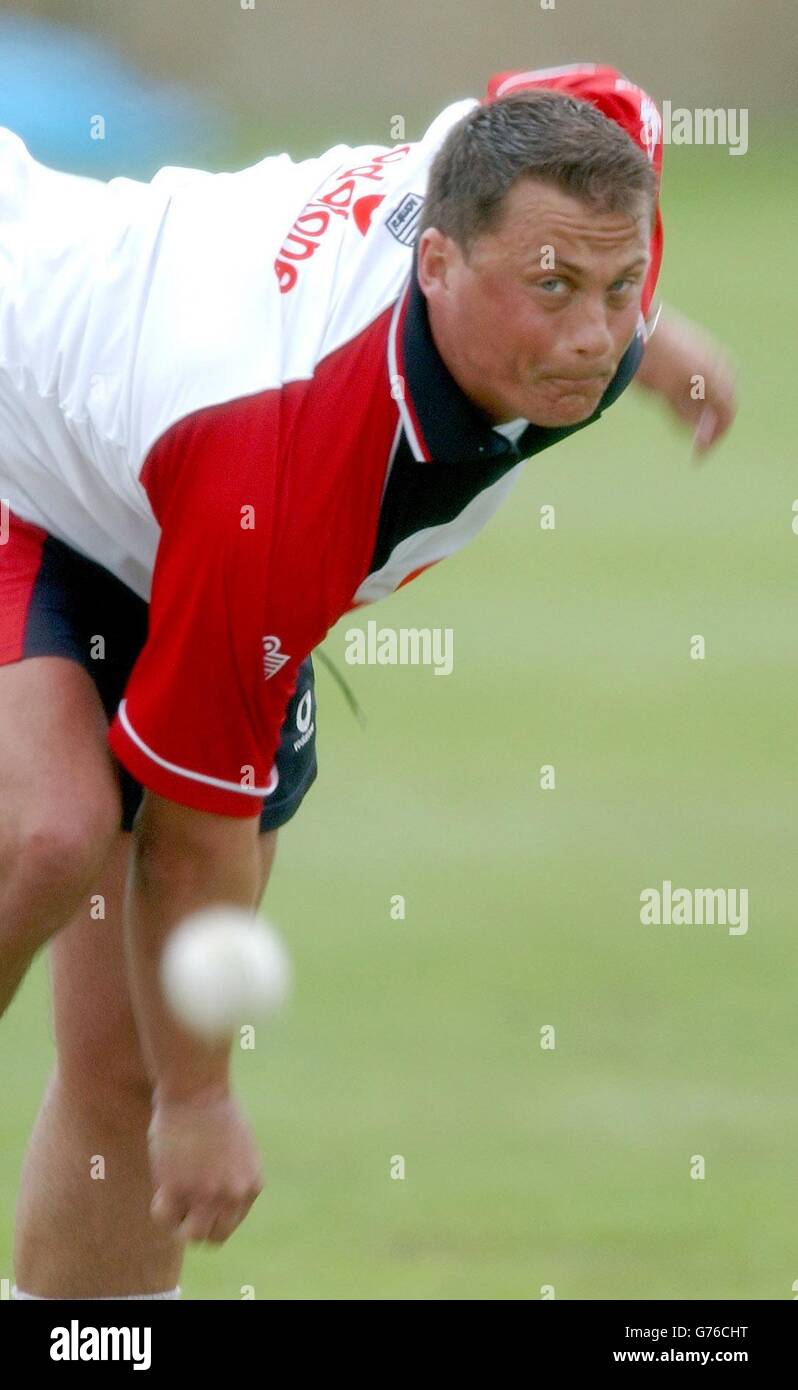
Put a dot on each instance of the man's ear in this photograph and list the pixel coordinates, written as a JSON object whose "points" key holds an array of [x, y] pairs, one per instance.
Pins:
{"points": [[434, 262]]}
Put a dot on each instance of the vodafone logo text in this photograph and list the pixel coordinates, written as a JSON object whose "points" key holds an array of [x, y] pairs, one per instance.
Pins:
{"points": [[340, 200]]}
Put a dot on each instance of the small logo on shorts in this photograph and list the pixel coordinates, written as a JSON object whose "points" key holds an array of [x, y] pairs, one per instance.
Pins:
{"points": [[403, 223], [304, 721], [274, 658]]}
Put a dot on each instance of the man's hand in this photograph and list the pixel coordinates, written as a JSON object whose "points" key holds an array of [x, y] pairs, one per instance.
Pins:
{"points": [[204, 1164], [694, 375]]}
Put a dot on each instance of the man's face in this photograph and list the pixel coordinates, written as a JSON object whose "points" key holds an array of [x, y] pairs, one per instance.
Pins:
{"points": [[535, 321]]}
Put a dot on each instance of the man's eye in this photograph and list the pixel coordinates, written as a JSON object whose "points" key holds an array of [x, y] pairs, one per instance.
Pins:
{"points": [[553, 280], [618, 285]]}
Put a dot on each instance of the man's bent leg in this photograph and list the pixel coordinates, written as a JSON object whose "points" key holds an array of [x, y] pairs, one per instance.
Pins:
{"points": [[84, 1228], [59, 804]]}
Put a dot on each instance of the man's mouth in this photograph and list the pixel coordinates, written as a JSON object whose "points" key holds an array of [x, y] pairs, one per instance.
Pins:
{"points": [[578, 383]]}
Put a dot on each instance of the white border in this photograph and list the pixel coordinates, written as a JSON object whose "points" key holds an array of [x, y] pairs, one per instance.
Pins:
{"points": [[274, 776]]}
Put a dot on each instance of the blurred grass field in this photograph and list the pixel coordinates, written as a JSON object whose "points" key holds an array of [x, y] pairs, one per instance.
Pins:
{"points": [[420, 1038]]}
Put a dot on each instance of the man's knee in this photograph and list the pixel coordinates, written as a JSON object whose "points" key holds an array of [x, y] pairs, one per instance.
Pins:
{"points": [[51, 859], [60, 804]]}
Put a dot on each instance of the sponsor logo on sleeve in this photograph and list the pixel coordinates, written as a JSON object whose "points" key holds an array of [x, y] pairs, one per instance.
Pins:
{"points": [[403, 222]]}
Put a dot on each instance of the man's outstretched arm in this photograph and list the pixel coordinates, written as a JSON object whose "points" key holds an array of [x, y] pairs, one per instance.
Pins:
{"points": [[693, 373], [204, 1160]]}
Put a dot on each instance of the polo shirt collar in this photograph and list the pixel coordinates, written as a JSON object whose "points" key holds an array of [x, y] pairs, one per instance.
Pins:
{"points": [[441, 424]]}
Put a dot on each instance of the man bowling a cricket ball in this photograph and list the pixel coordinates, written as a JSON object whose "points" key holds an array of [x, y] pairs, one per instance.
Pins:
{"points": [[234, 408]]}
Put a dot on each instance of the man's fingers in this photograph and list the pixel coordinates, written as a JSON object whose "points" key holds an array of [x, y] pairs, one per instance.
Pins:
{"points": [[200, 1221], [227, 1221], [232, 1213], [716, 413], [706, 430], [213, 1220], [168, 1210], [715, 419]]}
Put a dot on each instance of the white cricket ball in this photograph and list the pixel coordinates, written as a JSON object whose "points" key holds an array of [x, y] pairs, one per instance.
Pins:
{"points": [[222, 967]]}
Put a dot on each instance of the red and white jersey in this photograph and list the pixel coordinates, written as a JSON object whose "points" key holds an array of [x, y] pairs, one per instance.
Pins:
{"points": [[224, 389]]}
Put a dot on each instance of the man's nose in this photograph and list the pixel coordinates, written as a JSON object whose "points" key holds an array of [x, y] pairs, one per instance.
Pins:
{"points": [[592, 339]]}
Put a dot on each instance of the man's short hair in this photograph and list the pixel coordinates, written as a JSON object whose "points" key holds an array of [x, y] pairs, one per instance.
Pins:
{"points": [[558, 139]]}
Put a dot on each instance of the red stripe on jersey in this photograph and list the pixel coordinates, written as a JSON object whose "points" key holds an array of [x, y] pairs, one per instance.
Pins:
{"points": [[20, 562]]}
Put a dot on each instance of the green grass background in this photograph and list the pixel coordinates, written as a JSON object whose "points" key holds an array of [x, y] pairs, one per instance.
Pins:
{"points": [[570, 1167]]}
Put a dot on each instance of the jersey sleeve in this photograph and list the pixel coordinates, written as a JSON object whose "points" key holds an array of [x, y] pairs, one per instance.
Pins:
{"points": [[202, 712], [618, 99]]}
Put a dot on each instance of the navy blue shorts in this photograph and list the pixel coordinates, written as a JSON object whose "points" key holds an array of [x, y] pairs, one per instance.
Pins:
{"points": [[53, 602]]}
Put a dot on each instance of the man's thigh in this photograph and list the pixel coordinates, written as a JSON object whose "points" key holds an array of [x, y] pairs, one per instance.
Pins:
{"points": [[57, 777], [59, 805], [54, 757]]}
